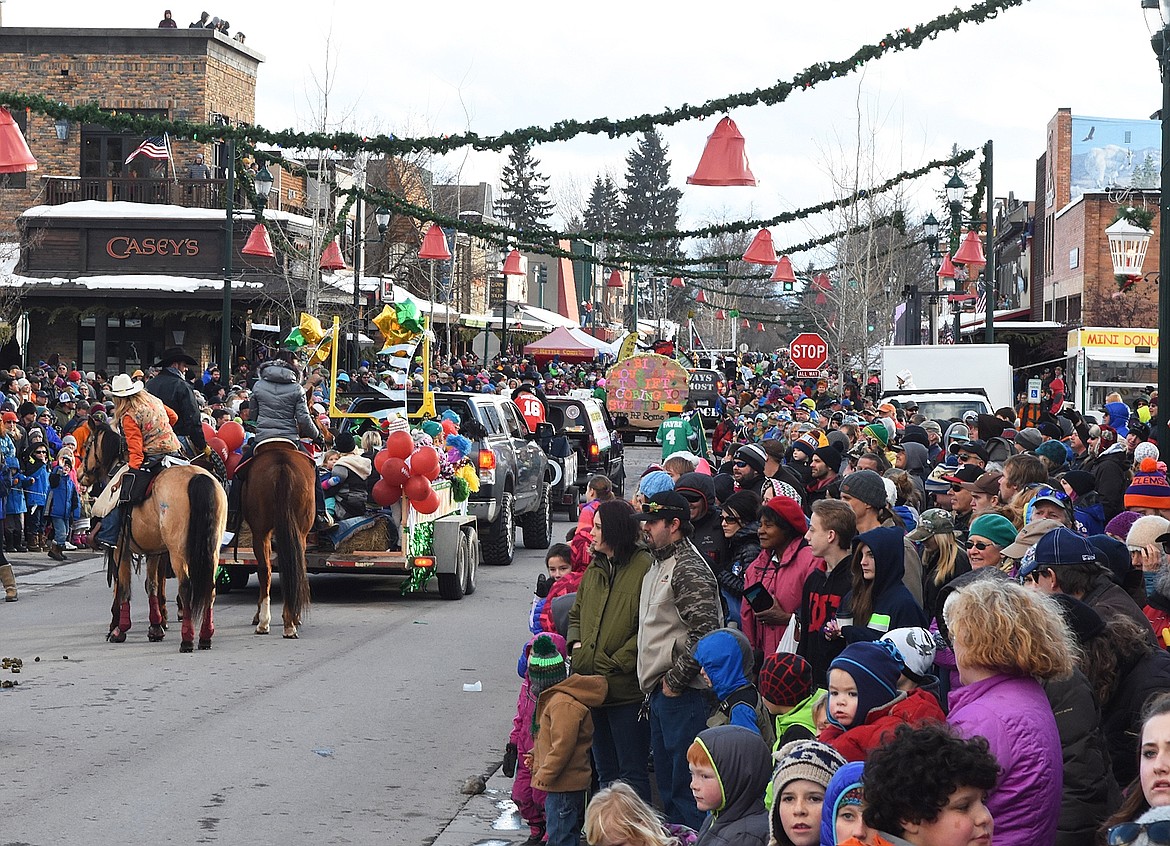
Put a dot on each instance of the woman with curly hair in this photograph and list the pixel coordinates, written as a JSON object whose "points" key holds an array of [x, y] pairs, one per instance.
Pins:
{"points": [[1006, 640], [928, 787]]}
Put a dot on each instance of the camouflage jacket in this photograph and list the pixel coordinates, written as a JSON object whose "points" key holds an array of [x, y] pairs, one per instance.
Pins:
{"points": [[679, 604]]}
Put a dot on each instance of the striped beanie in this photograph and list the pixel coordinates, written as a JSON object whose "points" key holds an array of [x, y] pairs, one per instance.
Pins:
{"points": [[1149, 488], [879, 431]]}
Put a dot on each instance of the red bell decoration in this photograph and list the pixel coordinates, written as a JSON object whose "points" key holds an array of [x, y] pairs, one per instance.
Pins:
{"points": [[823, 283], [719, 315], [700, 297], [259, 243], [331, 259], [724, 160], [761, 251], [15, 156], [615, 280], [783, 272], [676, 282], [434, 245], [946, 270], [511, 263], [745, 324], [970, 253], [759, 327]]}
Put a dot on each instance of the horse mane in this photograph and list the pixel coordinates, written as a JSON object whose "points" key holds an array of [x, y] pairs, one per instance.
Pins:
{"points": [[109, 444]]}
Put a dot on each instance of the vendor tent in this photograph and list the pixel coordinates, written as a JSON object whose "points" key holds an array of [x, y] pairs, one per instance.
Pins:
{"points": [[597, 344], [560, 342]]}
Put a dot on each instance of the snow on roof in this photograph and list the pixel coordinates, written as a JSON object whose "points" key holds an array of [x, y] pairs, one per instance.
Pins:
{"points": [[118, 210]]}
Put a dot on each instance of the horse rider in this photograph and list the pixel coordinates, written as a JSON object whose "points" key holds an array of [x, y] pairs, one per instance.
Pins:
{"points": [[177, 394], [279, 409], [145, 424]]}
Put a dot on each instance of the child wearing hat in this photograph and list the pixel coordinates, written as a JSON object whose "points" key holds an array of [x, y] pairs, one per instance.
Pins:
{"points": [[841, 817], [1149, 493], [803, 771], [865, 704], [786, 688], [562, 729], [725, 660], [729, 767]]}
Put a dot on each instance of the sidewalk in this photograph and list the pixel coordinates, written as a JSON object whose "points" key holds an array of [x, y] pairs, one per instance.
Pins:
{"points": [[489, 819], [35, 570]]}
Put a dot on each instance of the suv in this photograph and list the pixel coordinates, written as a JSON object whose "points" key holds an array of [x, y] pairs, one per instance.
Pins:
{"points": [[514, 474], [590, 430]]}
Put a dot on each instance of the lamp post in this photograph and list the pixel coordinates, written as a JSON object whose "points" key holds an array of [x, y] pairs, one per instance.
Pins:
{"points": [[1158, 20], [930, 230], [225, 338]]}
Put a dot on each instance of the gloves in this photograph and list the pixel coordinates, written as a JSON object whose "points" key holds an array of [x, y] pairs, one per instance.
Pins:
{"points": [[330, 482], [511, 756], [543, 585]]}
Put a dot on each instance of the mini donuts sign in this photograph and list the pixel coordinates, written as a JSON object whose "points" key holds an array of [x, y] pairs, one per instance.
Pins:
{"points": [[646, 389]]}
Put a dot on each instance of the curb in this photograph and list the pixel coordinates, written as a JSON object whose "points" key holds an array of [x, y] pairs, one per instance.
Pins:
{"points": [[489, 819]]}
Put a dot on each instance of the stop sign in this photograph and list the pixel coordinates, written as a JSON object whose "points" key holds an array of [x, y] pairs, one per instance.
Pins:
{"points": [[808, 351]]}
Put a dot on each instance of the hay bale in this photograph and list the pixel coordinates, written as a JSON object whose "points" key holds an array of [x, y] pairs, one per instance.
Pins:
{"points": [[372, 538]]}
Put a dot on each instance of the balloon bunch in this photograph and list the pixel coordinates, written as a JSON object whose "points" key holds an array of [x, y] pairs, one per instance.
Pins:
{"points": [[226, 443], [407, 471]]}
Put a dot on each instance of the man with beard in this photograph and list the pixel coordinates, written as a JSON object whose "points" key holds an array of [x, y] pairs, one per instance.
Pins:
{"points": [[824, 483]]}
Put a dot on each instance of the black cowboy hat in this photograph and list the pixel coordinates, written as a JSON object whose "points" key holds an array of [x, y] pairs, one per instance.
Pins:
{"points": [[172, 355]]}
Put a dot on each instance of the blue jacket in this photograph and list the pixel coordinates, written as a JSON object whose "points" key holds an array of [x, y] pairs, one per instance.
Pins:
{"points": [[724, 658], [36, 492], [845, 779], [63, 499], [14, 503]]}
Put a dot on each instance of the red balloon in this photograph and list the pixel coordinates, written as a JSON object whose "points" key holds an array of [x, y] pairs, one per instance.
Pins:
{"points": [[425, 463], [232, 434], [400, 445], [416, 489], [394, 471], [208, 432], [233, 461], [380, 460], [386, 494], [429, 505], [219, 447]]}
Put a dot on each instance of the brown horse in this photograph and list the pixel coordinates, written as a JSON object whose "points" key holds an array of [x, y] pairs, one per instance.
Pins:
{"points": [[277, 502], [183, 517]]}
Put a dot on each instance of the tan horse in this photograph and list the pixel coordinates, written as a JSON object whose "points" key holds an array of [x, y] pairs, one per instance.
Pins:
{"points": [[277, 502], [183, 517]]}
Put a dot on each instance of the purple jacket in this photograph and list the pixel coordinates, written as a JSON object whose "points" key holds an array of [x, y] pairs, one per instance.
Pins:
{"points": [[1013, 713]]}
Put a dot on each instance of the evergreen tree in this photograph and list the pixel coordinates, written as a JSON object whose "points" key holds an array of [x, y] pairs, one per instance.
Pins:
{"points": [[604, 205], [649, 204], [524, 190]]}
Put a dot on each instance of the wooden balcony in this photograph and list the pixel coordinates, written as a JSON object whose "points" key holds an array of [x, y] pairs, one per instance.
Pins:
{"points": [[190, 193]]}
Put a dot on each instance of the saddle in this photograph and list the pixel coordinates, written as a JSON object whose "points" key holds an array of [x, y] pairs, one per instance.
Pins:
{"points": [[270, 444]]}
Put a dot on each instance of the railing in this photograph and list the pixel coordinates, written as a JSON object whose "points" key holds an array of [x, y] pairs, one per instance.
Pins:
{"points": [[191, 193]]}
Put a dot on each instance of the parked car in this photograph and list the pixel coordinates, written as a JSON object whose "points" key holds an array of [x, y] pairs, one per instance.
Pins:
{"points": [[515, 479], [591, 431]]}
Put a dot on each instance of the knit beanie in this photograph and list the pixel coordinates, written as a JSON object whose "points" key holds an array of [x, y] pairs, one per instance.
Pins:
{"points": [[867, 486], [1054, 451], [546, 665], [809, 760], [877, 430], [1029, 438], [1081, 481], [344, 443], [1149, 488], [804, 445], [1146, 530], [655, 482], [785, 679], [831, 456], [1120, 525], [915, 435], [1143, 451], [995, 527], [917, 647], [874, 667], [753, 455]]}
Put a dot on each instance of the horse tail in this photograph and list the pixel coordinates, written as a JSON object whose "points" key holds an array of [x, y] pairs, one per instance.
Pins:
{"points": [[290, 539], [203, 538]]}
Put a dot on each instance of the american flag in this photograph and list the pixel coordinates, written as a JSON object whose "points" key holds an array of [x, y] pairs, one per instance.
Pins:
{"points": [[155, 147]]}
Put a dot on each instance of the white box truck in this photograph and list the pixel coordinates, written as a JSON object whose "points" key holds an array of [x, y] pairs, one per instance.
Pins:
{"points": [[946, 380]]}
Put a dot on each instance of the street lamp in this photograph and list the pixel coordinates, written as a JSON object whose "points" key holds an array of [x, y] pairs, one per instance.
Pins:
{"points": [[1158, 20], [382, 218]]}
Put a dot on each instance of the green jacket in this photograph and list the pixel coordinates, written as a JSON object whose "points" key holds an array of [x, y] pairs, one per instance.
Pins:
{"points": [[801, 715], [604, 618]]}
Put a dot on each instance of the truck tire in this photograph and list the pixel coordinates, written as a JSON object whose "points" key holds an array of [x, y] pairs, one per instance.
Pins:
{"points": [[451, 584], [467, 545], [573, 509], [499, 542], [619, 484], [537, 525], [237, 578]]}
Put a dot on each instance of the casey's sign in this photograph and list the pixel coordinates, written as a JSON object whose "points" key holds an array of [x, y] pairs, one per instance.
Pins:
{"points": [[122, 247]]}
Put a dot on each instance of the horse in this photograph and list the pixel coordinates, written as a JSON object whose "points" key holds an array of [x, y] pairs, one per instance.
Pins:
{"points": [[277, 503], [183, 517]]}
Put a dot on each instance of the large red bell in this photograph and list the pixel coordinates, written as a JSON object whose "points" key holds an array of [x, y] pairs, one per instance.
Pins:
{"points": [[759, 327], [719, 315], [745, 324], [783, 272], [15, 156], [258, 243], [676, 282], [970, 253], [434, 245], [511, 263], [724, 161], [761, 251], [615, 280], [700, 297], [946, 270], [331, 259]]}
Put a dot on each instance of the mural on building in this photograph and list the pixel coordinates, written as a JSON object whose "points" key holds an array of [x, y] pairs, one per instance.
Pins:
{"points": [[1115, 153]]}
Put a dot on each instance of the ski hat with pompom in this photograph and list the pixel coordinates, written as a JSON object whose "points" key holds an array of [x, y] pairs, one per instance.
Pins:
{"points": [[1149, 489]]}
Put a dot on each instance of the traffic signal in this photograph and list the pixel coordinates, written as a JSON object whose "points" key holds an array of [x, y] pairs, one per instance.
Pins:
{"points": [[788, 287]]}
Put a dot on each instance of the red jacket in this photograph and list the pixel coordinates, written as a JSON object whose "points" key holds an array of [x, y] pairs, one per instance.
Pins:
{"points": [[1160, 620], [856, 743]]}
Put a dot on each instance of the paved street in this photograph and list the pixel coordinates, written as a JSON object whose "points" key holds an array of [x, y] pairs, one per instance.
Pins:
{"points": [[357, 733]]}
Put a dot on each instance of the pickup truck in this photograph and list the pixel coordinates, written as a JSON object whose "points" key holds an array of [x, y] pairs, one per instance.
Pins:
{"points": [[515, 480]]}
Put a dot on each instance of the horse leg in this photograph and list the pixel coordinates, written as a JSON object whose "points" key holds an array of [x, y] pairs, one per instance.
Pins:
{"points": [[208, 628], [262, 546], [164, 568], [187, 629], [157, 630], [120, 611]]}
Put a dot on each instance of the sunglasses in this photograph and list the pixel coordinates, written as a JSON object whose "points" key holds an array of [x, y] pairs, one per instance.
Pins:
{"points": [[730, 519], [966, 456], [1052, 492], [979, 545], [1127, 833], [738, 463], [956, 488]]}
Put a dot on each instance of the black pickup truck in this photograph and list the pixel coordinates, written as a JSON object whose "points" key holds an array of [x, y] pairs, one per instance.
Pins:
{"points": [[514, 475]]}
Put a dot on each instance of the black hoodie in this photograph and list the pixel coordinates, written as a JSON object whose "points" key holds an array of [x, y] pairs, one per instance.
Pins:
{"points": [[893, 605], [744, 765]]}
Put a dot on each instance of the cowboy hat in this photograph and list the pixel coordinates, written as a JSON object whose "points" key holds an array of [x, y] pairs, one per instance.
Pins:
{"points": [[124, 386], [172, 355]]}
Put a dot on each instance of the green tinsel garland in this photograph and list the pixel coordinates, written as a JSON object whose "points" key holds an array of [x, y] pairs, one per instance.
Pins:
{"points": [[460, 490], [349, 143], [422, 540]]}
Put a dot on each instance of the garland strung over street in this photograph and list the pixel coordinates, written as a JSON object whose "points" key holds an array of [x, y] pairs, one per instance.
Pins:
{"points": [[349, 143]]}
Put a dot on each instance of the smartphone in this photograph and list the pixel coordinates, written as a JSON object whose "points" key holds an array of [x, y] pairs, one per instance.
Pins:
{"points": [[758, 597]]}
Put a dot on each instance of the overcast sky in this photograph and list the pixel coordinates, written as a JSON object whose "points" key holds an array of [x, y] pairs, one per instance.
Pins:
{"points": [[424, 68]]}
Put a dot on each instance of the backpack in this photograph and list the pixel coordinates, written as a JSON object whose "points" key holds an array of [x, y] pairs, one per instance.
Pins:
{"points": [[748, 695]]}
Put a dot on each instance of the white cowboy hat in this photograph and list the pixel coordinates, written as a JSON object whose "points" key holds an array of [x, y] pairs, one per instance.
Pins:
{"points": [[124, 386]]}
